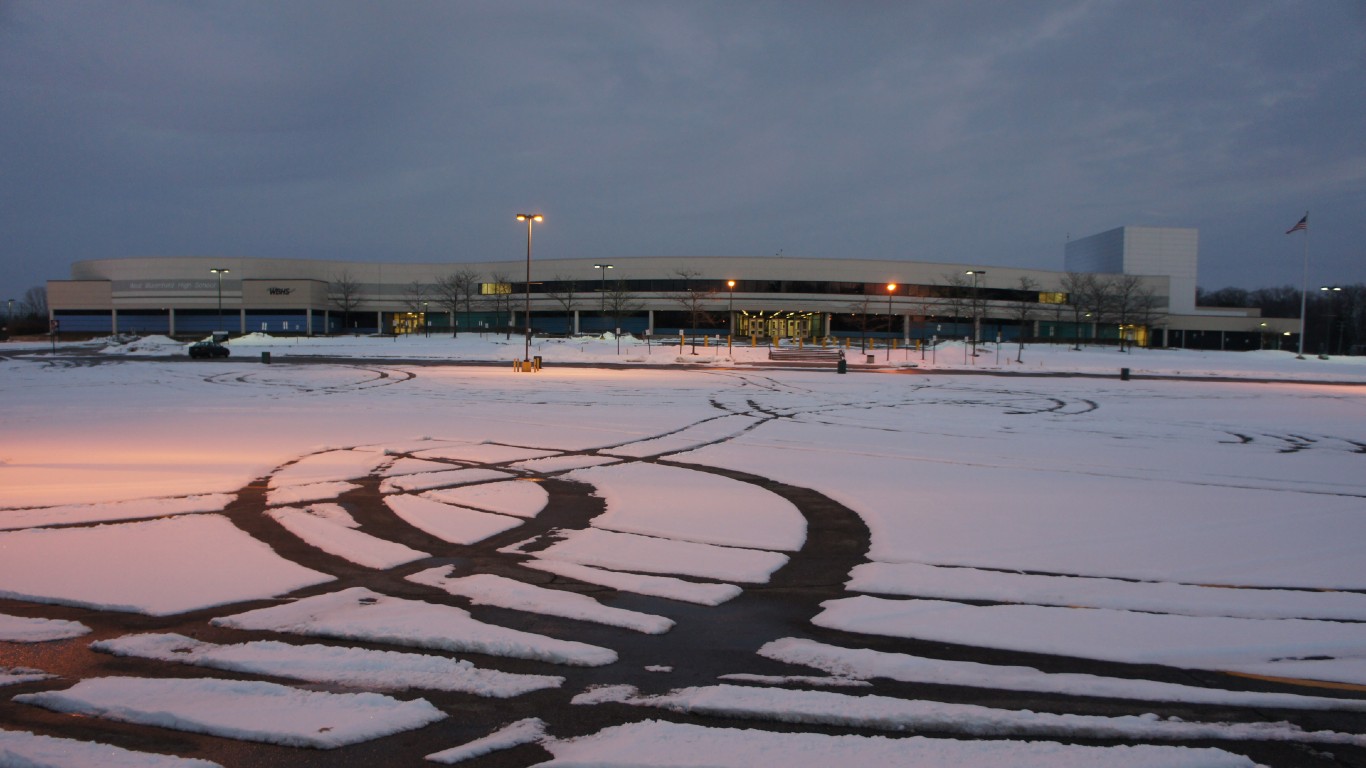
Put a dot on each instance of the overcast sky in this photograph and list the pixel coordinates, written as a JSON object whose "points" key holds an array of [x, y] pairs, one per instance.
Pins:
{"points": [[978, 133]]}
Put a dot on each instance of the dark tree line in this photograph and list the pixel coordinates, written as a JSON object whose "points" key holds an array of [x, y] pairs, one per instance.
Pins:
{"points": [[1335, 316]]}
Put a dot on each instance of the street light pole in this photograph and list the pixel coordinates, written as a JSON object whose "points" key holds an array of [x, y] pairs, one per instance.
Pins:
{"points": [[602, 291], [220, 272], [891, 288], [730, 316], [976, 309], [529, 218], [1328, 332]]}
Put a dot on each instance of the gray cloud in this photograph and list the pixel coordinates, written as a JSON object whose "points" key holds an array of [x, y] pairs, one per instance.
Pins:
{"points": [[976, 132]]}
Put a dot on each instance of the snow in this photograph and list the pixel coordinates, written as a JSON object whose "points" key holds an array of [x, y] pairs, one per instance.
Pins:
{"points": [[519, 498], [157, 567], [362, 614], [1073, 591], [667, 587], [324, 532], [253, 711], [1093, 516], [17, 675], [298, 494], [500, 591], [351, 667], [648, 554], [70, 514], [447, 522], [21, 749], [421, 482], [22, 629], [1137, 638], [886, 713], [864, 664], [658, 500], [526, 731], [680, 745], [330, 466]]}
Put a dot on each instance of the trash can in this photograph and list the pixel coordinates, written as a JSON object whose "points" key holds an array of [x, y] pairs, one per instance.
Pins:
{"points": [[872, 359], [843, 367], [265, 357], [1123, 374]]}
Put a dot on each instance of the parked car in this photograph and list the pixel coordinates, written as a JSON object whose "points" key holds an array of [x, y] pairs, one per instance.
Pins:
{"points": [[205, 349]]}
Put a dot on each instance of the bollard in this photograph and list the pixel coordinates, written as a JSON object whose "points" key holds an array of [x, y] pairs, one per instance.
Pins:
{"points": [[536, 363], [516, 364], [265, 358]]}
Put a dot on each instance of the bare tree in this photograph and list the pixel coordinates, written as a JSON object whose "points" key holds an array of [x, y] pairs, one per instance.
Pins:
{"points": [[347, 293], [34, 303], [694, 301], [448, 292], [565, 293], [1023, 310], [415, 297], [1148, 311], [957, 296], [500, 298], [1124, 296], [1078, 287], [860, 307], [620, 303]]}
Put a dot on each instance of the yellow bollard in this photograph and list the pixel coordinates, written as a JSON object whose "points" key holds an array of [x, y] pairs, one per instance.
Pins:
{"points": [[753, 340], [706, 342], [801, 342], [516, 364]]}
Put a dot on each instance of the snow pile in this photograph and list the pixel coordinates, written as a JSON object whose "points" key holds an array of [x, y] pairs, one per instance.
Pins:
{"points": [[865, 664], [72, 514], [487, 589], [528, 731], [1253, 645], [22, 749], [351, 667], [519, 498], [22, 629], [646, 554], [679, 745], [1074, 591], [251, 711], [361, 614], [447, 522], [324, 531], [886, 713]]}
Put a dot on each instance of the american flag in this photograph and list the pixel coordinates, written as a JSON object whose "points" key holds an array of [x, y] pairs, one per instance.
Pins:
{"points": [[1304, 224]]}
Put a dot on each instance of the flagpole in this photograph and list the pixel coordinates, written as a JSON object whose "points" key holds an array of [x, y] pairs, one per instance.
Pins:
{"points": [[1304, 286]]}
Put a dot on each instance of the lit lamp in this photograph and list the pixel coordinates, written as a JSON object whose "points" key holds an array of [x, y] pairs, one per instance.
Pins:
{"points": [[976, 309], [730, 316], [891, 289], [602, 292], [529, 218], [220, 272]]}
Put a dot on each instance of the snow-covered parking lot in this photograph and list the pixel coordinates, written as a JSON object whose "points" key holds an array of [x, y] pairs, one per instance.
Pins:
{"points": [[370, 551]]}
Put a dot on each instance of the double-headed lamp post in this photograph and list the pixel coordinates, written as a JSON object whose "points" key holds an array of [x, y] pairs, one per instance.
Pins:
{"points": [[602, 291], [529, 218], [220, 271]]}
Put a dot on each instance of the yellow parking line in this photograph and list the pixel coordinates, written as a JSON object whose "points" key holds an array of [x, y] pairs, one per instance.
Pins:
{"points": [[1300, 681]]}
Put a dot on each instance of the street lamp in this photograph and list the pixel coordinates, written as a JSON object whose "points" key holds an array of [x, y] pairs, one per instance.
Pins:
{"points": [[1328, 331], [220, 271], [976, 309], [602, 292], [529, 218], [426, 329], [891, 289]]}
